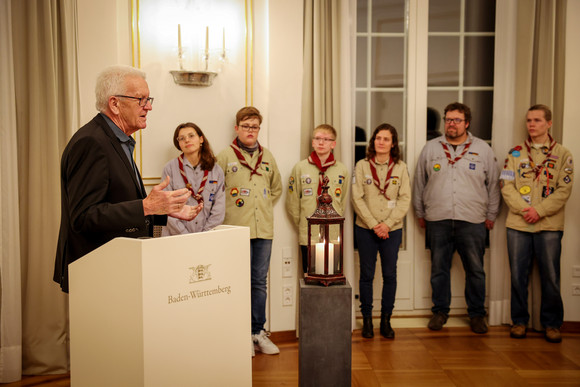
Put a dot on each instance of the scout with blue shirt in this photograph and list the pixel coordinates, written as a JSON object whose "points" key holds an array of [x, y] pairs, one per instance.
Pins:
{"points": [[536, 183], [196, 169], [456, 198]]}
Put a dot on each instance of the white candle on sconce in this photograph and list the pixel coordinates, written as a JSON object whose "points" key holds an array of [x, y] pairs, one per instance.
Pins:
{"points": [[206, 41], [224, 41], [179, 39], [179, 49], [319, 263]]}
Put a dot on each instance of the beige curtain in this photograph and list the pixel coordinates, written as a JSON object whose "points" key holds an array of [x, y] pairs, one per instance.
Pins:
{"points": [[45, 92], [321, 84], [328, 89], [530, 37], [540, 57], [10, 297]]}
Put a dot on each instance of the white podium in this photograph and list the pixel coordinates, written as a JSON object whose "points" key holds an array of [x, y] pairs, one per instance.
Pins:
{"points": [[172, 311]]}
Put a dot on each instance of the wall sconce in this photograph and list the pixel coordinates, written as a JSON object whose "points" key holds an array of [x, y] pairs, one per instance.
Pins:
{"points": [[196, 78], [325, 250]]}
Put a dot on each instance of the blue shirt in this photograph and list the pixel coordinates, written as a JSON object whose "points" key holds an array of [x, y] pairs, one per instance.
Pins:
{"points": [[467, 190], [127, 142]]}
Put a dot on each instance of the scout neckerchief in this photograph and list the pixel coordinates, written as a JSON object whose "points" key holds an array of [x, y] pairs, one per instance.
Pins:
{"points": [[197, 196], [315, 160], [242, 160], [448, 154], [373, 165], [538, 168]]}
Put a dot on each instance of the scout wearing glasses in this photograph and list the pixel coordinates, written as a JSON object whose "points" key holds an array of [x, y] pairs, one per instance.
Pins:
{"points": [[305, 184], [252, 185], [456, 197]]}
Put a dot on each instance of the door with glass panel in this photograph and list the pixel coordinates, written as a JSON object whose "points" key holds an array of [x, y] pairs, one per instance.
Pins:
{"points": [[413, 58], [381, 97]]}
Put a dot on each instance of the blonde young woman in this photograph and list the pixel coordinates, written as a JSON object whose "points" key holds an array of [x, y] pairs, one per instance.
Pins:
{"points": [[196, 169], [381, 197]]}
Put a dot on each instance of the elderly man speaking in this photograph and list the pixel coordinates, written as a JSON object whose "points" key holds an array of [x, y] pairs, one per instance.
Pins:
{"points": [[102, 194]]}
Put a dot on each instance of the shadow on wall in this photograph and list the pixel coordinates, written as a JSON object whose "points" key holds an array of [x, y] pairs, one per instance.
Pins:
{"points": [[433, 120]]}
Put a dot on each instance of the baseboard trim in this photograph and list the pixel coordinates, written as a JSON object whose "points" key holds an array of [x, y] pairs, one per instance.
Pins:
{"points": [[290, 336], [571, 327], [283, 336]]}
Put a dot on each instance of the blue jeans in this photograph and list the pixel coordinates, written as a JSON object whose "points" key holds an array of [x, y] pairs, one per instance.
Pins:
{"points": [[468, 239], [368, 246], [546, 247], [260, 250]]}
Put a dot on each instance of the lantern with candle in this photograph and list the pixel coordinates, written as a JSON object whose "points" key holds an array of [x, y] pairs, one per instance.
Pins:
{"points": [[325, 249]]}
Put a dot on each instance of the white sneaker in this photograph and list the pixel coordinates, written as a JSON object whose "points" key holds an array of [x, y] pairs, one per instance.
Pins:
{"points": [[263, 344]]}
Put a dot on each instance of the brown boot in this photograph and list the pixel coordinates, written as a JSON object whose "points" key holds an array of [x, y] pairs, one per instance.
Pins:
{"points": [[518, 331], [437, 321], [553, 335], [478, 324]]}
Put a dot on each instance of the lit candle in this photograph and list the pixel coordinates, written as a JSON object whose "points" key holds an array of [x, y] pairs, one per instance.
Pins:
{"points": [[336, 256], [206, 40], [319, 269], [179, 39], [179, 49]]}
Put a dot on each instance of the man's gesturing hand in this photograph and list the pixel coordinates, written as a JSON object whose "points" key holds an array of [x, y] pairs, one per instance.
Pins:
{"points": [[160, 202]]}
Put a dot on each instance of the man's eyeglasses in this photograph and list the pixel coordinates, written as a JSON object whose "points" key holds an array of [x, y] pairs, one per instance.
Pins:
{"points": [[142, 101], [322, 139], [247, 128], [186, 137], [456, 121]]}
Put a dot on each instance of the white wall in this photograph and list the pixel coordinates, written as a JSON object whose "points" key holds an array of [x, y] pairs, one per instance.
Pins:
{"points": [[285, 106], [104, 40]]}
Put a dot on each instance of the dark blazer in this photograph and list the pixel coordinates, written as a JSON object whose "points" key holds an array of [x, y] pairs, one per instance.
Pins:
{"points": [[101, 196]]}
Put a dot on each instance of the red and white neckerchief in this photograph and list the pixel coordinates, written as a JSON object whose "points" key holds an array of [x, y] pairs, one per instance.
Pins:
{"points": [[197, 196], [538, 168], [315, 160], [373, 165], [242, 160], [448, 154]]}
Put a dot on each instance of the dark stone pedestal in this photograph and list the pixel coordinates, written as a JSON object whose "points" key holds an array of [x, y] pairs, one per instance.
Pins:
{"points": [[325, 335]]}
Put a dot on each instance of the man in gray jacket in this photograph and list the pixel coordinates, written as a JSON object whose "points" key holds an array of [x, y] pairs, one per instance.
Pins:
{"points": [[456, 197]]}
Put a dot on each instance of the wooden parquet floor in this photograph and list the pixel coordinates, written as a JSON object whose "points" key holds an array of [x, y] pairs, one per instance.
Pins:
{"points": [[453, 356]]}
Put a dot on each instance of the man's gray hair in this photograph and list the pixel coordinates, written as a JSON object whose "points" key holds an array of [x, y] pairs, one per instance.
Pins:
{"points": [[111, 81]]}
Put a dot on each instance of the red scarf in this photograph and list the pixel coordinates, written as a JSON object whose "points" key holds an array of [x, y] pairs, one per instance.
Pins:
{"points": [[242, 160], [314, 160], [373, 165], [538, 168], [448, 154], [197, 196]]}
